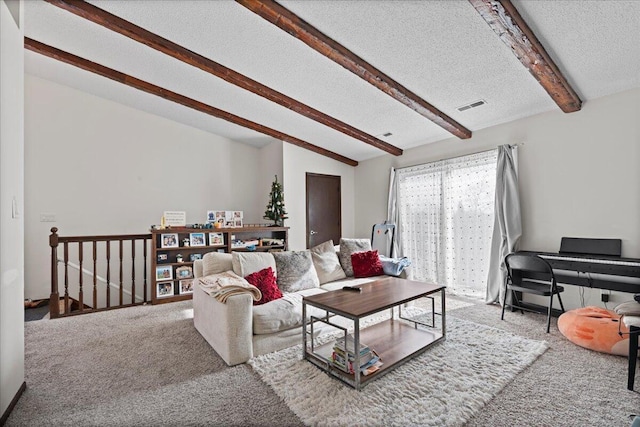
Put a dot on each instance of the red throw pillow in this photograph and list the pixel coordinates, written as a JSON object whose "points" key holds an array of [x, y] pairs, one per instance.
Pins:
{"points": [[366, 264], [265, 280]]}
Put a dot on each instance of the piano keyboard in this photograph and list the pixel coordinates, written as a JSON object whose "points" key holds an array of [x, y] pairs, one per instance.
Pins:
{"points": [[591, 260]]}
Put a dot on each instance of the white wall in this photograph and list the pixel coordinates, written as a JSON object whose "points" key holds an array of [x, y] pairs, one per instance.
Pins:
{"points": [[579, 176], [11, 205], [104, 168], [296, 163], [270, 166]]}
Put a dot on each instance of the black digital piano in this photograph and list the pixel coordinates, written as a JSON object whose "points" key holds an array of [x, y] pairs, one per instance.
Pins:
{"points": [[594, 263]]}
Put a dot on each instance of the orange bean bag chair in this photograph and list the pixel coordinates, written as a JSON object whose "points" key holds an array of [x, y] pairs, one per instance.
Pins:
{"points": [[595, 328]]}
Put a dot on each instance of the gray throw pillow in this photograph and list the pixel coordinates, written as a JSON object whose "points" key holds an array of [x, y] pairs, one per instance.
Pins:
{"points": [[348, 247], [295, 271]]}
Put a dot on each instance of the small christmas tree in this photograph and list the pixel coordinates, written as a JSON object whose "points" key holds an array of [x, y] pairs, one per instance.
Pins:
{"points": [[275, 208]]}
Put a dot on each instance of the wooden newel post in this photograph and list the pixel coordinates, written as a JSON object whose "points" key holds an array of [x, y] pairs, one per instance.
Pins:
{"points": [[54, 299]]}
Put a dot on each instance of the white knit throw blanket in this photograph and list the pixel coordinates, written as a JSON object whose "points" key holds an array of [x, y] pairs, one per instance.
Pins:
{"points": [[222, 285]]}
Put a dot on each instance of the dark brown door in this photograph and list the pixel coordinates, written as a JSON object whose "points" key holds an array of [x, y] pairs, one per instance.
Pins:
{"points": [[324, 220]]}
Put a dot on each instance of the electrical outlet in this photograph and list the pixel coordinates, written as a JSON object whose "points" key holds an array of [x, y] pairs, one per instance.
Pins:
{"points": [[604, 297], [47, 217]]}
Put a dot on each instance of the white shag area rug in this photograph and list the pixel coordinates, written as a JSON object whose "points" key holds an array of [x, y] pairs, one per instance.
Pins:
{"points": [[444, 386]]}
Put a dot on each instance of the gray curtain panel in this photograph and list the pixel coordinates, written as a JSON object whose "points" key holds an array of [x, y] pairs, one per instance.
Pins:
{"points": [[507, 227]]}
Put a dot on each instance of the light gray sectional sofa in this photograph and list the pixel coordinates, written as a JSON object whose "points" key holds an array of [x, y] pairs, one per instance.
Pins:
{"points": [[238, 330]]}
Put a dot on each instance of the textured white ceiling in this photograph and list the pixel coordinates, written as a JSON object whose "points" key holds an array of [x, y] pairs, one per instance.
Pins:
{"points": [[441, 50]]}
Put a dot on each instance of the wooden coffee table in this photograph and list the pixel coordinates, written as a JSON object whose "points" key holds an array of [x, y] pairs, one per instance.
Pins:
{"points": [[396, 340]]}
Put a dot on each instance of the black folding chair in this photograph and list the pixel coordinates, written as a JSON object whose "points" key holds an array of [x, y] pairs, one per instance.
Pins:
{"points": [[527, 273]]}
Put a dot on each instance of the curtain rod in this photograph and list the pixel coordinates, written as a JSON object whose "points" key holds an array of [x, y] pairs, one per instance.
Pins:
{"points": [[519, 144]]}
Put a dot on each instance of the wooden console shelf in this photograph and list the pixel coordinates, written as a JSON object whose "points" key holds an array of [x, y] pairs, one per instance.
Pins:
{"points": [[172, 280]]}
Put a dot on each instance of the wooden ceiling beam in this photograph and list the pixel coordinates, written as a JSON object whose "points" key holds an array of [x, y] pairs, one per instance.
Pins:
{"points": [[128, 29], [312, 37], [133, 82], [506, 22]]}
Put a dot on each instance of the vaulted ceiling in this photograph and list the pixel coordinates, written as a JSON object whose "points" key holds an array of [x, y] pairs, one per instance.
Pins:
{"points": [[348, 79]]}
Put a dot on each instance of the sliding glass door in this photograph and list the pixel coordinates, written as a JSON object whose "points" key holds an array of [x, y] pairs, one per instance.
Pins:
{"points": [[446, 209]]}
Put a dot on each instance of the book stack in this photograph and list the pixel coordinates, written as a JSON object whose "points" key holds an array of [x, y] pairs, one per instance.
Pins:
{"points": [[344, 356]]}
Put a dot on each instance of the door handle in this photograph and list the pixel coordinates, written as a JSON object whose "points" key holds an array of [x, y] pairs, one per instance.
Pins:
{"points": [[313, 232]]}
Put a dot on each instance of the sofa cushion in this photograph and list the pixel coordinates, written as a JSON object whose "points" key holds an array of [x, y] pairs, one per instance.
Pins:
{"points": [[295, 271], [216, 262], [349, 246], [245, 263], [350, 281], [326, 262], [265, 280], [283, 313], [366, 264]]}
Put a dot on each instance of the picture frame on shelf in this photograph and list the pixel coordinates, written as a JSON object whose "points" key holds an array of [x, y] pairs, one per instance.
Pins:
{"points": [[164, 272], [169, 240], [196, 239], [211, 216], [194, 257], [216, 239], [237, 222], [184, 272], [175, 218], [162, 257], [185, 287], [164, 289]]}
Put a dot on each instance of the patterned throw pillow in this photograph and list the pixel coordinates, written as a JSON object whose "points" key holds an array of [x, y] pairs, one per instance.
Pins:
{"points": [[295, 271], [366, 264], [326, 262], [265, 280], [349, 246]]}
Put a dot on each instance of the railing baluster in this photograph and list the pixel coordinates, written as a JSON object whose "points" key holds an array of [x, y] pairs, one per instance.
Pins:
{"points": [[80, 276], [121, 275], [66, 278], [144, 269], [133, 271], [95, 275], [108, 242]]}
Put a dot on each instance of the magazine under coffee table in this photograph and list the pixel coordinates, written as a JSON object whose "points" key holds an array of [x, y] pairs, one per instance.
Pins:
{"points": [[395, 340]]}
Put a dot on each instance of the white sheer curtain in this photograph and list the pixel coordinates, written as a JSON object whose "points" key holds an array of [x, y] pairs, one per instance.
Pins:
{"points": [[445, 213]]}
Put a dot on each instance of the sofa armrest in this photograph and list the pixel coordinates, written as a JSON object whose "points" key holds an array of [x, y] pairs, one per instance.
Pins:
{"points": [[197, 268], [228, 327]]}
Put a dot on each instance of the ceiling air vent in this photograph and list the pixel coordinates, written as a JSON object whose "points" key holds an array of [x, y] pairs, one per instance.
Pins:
{"points": [[473, 104], [387, 134]]}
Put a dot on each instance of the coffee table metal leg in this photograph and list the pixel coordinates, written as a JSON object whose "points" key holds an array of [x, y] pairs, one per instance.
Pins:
{"points": [[304, 330], [356, 351], [444, 314]]}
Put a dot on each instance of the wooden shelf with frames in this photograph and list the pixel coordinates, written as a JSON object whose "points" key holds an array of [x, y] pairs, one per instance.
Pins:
{"points": [[172, 279]]}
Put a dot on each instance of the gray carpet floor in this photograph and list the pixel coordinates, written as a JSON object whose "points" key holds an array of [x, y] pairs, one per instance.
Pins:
{"points": [[147, 365]]}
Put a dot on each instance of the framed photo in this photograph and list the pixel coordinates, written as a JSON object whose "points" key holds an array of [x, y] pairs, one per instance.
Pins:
{"points": [[221, 250], [164, 289], [164, 272], [197, 239], [185, 272], [216, 239], [237, 222], [186, 287], [162, 257], [211, 216], [169, 240], [194, 257], [175, 218]]}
